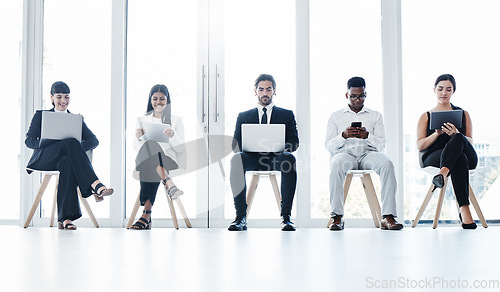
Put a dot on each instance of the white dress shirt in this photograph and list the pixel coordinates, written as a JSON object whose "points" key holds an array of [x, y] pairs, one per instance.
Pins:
{"points": [[342, 119], [269, 108]]}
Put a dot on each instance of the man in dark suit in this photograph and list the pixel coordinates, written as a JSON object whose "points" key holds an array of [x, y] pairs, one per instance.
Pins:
{"points": [[265, 113]]}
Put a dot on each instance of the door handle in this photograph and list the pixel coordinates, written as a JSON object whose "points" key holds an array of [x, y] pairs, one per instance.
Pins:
{"points": [[203, 78], [216, 105]]}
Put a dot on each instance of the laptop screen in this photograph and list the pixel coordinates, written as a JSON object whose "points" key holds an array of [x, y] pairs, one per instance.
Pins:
{"points": [[263, 137]]}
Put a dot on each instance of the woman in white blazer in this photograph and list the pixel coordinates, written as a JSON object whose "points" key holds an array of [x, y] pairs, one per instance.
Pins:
{"points": [[155, 159]]}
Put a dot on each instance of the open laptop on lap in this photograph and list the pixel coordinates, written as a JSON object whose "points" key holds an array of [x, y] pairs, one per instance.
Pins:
{"points": [[263, 138], [59, 126]]}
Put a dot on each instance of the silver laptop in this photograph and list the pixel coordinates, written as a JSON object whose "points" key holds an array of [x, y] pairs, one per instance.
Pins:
{"points": [[59, 126], [154, 131], [263, 137]]}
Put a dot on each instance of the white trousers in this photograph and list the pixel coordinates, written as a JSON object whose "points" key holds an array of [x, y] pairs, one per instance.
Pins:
{"points": [[340, 163]]}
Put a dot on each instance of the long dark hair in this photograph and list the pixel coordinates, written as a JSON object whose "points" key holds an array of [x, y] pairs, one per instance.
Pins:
{"points": [[167, 113]]}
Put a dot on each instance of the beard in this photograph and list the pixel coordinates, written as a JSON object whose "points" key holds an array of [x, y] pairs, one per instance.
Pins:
{"points": [[266, 103]]}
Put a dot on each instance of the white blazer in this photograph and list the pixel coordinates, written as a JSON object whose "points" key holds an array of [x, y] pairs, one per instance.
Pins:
{"points": [[175, 144]]}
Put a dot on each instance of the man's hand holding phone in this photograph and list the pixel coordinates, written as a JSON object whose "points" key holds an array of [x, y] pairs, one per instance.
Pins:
{"points": [[355, 131]]}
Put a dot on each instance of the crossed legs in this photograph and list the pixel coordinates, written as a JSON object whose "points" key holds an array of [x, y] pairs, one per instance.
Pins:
{"points": [[456, 159]]}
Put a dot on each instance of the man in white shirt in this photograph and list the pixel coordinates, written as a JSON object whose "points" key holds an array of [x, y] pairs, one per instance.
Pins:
{"points": [[359, 147]]}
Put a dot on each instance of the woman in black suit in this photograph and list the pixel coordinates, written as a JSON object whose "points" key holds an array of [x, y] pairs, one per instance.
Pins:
{"points": [[449, 148], [69, 158]]}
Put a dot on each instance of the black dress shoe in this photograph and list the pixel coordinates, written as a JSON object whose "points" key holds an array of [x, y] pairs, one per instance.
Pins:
{"points": [[438, 181], [472, 225], [286, 224], [390, 223], [239, 224], [337, 223]]}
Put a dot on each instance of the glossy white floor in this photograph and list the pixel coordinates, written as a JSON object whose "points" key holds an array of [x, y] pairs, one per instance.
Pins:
{"points": [[163, 259]]}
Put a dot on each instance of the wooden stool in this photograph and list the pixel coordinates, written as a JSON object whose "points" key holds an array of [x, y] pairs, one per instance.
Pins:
{"points": [[433, 171], [371, 195], [255, 182], [45, 181], [170, 205]]}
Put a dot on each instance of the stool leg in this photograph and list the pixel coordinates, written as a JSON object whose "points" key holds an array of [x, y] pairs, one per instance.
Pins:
{"points": [[251, 191], [134, 211], [475, 204], [277, 194], [374, 197], [87, 208], [183, 212], [371, 197], [41, 190], [172, 209], [54, 204], [424, 205], [347, 185], [440, 204], [458, 207]]}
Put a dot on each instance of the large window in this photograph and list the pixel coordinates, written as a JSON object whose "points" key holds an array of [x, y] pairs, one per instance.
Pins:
{"points": [[460, 38], [11, 14], [209, 53], [345, 42], [259, 37], [77, 50], [162, 49]]}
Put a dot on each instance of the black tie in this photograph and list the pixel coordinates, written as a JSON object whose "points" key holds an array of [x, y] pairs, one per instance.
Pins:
{"points": [[264, 117]]}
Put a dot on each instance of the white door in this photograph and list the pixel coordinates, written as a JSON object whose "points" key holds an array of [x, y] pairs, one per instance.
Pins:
{"points": [[247, 38]]}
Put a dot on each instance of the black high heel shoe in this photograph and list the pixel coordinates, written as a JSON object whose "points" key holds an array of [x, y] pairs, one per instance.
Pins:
{"points": [[102, 193], [142, 224], [472, 225], [438, 181]]}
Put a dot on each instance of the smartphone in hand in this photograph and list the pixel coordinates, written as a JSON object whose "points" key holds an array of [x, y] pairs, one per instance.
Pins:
{"points": [[356, 124]]}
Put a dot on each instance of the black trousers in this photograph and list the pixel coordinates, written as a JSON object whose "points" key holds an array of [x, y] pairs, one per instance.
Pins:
{"points": [[68, 157], [459, 157], [244, 161], [149, 157]]}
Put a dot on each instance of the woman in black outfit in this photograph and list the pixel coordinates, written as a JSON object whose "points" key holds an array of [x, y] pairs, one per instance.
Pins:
{"points": [[155, 159], [449, 148], [69, 158]]}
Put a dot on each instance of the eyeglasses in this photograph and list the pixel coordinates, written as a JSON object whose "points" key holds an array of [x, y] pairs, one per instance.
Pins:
{"points": [[360, 97]]}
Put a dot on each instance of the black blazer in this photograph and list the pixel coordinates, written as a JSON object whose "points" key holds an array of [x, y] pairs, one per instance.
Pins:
{"points": [[89, 140], [278, 116]]}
